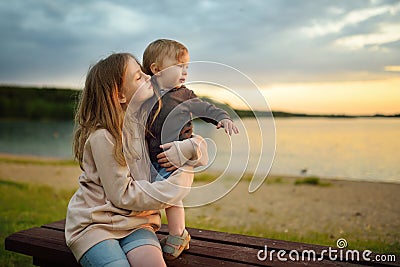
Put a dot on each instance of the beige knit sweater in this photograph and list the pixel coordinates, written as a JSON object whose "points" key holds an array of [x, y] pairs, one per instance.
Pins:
{"points": [[110, 203]]}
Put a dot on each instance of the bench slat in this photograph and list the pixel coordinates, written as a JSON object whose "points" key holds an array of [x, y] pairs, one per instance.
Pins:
{"points": [[41, 243], [208, 248], [189, 260], [228, 238], [248, 255], [218, 245], [242, 240]]}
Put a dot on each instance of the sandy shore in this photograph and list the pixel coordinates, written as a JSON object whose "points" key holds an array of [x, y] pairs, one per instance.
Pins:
{"points": [[365, 210]]}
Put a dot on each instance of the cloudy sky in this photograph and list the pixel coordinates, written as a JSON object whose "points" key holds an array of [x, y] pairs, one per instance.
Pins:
{"points": [[326, 56]]}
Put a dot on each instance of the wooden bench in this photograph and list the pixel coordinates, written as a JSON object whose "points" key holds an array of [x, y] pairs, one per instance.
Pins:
{"points": [[46, 244]]}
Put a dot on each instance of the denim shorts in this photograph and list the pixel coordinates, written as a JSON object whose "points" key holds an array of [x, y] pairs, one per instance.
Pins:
{"points": [[112, 252]]}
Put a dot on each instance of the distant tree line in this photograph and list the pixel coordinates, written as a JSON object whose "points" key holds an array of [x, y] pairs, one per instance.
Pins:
{"points": [[34, 103], [37, 103]]}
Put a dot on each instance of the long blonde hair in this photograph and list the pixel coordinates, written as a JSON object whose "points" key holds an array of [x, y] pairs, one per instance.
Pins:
{"points": [[99, 106]]}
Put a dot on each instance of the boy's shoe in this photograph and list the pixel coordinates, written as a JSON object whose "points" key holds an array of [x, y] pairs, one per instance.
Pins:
{"points": [[172, 245]]}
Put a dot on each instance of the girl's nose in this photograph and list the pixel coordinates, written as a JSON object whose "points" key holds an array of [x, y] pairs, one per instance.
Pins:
{"points": [[147, 77]]}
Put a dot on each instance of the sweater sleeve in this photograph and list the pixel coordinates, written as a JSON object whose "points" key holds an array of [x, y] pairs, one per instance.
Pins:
{"points": [[138, 195], [196, 147], [206, 111]]}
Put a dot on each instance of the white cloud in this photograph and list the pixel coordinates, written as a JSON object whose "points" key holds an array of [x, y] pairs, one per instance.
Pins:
{"points": [[100, 19], [336, 10], [321, 28], [388, 34], [120, 19]]}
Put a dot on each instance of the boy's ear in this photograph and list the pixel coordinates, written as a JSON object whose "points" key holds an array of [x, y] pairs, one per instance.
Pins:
{"points": [[154, 68]]}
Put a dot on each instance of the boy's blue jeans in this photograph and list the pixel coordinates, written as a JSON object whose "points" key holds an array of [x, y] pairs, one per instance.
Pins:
{"points": [[162, 172]]}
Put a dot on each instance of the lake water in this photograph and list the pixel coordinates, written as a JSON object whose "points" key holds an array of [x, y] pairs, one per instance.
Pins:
{"points": [[353, 149]]}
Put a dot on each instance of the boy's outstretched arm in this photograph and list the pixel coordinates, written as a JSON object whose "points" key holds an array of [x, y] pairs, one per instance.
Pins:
{"points": [[229, 126]]}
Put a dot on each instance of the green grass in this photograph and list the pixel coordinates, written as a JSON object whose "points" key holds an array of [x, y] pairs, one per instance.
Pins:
{"points": [[311, 181], [209, 177], [38, 161], [204, 177], [24, 206]]}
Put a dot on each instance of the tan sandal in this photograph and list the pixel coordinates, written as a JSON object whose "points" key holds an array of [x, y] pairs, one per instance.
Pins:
{"points": [[172, 245]]}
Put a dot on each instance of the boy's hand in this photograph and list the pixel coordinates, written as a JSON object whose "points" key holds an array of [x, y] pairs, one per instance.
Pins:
{"points": [[228, 125]]}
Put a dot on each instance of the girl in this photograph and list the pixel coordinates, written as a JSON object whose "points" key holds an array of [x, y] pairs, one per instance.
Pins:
{"points": [[112, 217]]}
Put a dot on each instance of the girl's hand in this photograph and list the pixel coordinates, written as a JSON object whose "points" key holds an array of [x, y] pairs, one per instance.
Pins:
{"points": [[169, 159], [228, 125], [192, 151], [177, 154]]}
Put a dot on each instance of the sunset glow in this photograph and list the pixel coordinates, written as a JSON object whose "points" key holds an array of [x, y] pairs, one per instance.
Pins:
{"points": [[353, 97], [350, 97], [393, 68]]}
